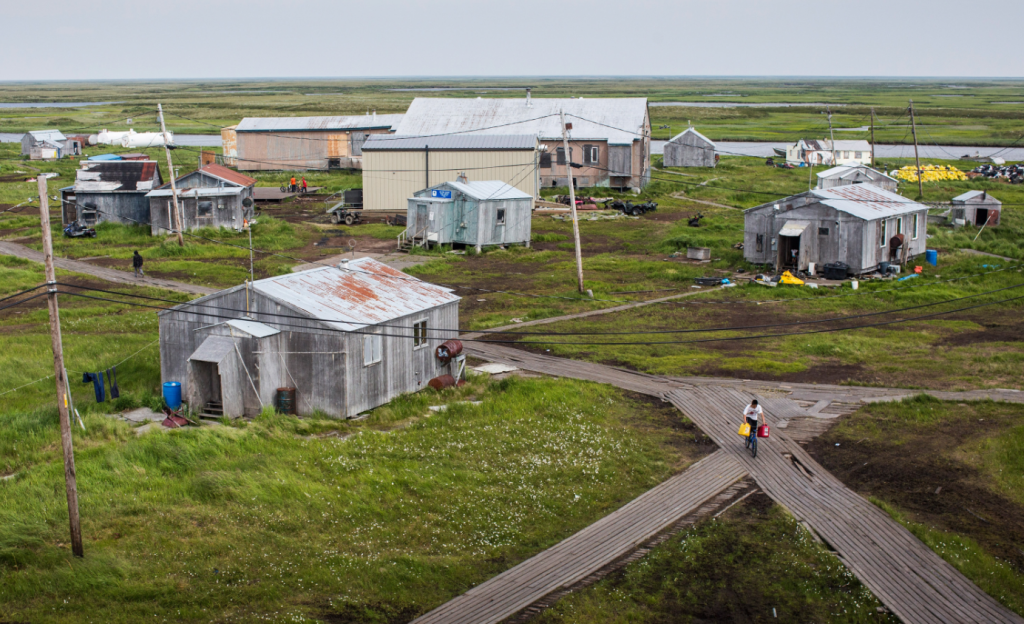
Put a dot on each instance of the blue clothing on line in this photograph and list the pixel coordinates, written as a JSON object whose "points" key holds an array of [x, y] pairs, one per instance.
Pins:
{"points": [[97, 385]]}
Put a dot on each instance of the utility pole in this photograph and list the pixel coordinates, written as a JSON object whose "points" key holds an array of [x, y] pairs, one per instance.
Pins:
{"points": [[872, 136], [831, 136], [917, 159], [170, 172], [572, 202], [59, 372]]}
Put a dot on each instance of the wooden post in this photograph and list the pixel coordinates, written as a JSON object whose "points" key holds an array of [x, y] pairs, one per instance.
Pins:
{"points": [[917, 159], [832, 137], [872, 136], [58, 372], [572, 204], [170, 172]]}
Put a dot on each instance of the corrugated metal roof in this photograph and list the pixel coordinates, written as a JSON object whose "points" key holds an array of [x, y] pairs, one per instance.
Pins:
{"points": [[843, 170], [452, 142], [117, 175], [692, 131], [620, 121], [866, 201], [302, 124], [253, 328], [364, 293], [793, 228], [48, 135], [214, 349], [228, 175], [487, 189], [970, 195], [210, 191]]}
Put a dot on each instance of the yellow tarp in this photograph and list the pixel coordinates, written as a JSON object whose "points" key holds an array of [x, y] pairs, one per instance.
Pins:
{"points": [[787, 278], [930, 173]]}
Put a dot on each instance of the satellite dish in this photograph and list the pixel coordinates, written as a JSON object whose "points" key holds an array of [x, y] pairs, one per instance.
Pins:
{"points": [[247, 202]]}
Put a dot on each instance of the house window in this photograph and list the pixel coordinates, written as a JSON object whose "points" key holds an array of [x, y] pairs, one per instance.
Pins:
{"points": [[205, 209], [899, 225], [822, 231], [591, 155], [560, 155], [371, 349], [760, 243], [881, 234], [545, 160], [857, 154], [501, 216], [419, 334], [916, 217]]}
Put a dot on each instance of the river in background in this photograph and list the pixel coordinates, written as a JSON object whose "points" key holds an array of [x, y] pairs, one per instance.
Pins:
{"points": [[726, 148], [52, 104]]}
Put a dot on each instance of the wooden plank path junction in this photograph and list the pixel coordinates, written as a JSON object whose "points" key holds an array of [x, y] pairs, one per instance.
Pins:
{"points": [[907, 576]]}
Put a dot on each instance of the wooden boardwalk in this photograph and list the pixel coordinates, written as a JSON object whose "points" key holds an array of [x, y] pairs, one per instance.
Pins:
{"points": [[578, 557], [907, 576]]}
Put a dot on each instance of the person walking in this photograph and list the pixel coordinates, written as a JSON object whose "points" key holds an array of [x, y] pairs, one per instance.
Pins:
{"points": [[137, 264], [304, 187], [293, 186]]}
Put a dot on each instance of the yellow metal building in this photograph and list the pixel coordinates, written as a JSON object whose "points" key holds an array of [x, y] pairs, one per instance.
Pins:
{"points": [[394, 167]]}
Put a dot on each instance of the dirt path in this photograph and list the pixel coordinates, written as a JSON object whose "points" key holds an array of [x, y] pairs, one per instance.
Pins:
{"points": [[104, 273]]}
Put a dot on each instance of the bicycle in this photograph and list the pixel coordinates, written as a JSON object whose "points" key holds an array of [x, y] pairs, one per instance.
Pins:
{"points": [[752, 442]]}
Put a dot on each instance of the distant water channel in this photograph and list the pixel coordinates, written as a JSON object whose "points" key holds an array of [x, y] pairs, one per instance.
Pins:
{"points": [[52, 104]]}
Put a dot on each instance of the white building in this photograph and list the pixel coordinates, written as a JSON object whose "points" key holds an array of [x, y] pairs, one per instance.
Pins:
{"points": [[814, 152]]}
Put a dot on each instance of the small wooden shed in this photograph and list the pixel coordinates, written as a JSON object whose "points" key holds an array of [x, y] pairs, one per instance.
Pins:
{"points": [[689, 148], [346, 338], [43, 144], [479, 214], [852, 224], [976, 208], [856, 174], [211, 196]]}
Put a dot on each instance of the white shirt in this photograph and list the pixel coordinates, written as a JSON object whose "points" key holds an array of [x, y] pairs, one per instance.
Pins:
{"points": [[753, 413]]}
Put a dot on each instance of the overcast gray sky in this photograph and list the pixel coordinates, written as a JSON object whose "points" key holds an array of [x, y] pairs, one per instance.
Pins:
{"points": [[117, 39]]}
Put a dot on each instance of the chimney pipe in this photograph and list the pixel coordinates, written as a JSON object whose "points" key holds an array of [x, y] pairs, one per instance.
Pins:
{"points": [[528, 104]]}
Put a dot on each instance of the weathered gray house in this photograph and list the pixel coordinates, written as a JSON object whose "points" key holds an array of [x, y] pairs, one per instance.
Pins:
{"points": [[976, 208], [211, 196], [689, 148], [479, 214], [856, 174], [43, 144], [301, 143], [610, 139], [851, 224], [347, 338], [111, 191]]}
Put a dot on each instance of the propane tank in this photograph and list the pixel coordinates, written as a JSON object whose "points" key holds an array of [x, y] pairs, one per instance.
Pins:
{"points": [[144, 139], [106, 137]]}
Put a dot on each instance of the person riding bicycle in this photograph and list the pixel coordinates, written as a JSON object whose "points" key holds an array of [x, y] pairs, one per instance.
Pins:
{"points": [[754, 416]]}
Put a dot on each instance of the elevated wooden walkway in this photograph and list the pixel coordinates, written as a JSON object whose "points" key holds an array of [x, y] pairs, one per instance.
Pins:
{"points": [[611, 538], [907, 576]]}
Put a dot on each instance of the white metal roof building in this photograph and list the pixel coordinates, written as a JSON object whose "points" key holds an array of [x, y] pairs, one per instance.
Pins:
{"points": [[43, 140], [476, 214], [396, 167], [844, 175], [853, 224], [346, 338], [611, 136], [815, 152]]}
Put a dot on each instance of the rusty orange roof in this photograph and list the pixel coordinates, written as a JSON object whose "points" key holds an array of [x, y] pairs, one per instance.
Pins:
{"points": [[228, 175], [363, 292]]}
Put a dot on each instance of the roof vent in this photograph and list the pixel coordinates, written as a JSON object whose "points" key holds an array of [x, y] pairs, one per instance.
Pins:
{"points": [[343, 264], [462, 178]]}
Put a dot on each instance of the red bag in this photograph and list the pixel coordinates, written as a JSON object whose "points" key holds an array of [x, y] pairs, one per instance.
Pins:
{"points": [[763, 431]]}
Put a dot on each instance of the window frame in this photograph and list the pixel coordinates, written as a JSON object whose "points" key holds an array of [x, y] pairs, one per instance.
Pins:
{"points": [[560, 156], [371, 341], [546, 161], [499, 216], [419, 334], [882, 235], [917, 226], [899, 225], [199, 209]]}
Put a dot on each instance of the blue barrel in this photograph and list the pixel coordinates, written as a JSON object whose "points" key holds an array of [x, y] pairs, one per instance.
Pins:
{"points": [[172, 394], [932, 257]]}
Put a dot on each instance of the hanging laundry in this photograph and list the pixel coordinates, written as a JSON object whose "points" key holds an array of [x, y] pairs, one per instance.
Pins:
{"points": [[115, 392], [97, 385]]}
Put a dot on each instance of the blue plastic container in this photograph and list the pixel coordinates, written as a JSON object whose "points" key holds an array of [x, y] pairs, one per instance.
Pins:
{"points": [[932, 257], [172, 394]]}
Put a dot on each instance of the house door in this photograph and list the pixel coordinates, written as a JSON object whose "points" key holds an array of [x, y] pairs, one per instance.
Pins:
{"points": [[981, 216], [207, 378], [422, 218], [789, 253]]}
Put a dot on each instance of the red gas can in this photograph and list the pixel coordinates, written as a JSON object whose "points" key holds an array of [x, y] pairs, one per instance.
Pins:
{"points": [[763, 431]]}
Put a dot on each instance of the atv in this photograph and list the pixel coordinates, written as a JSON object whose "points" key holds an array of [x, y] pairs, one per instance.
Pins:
{"points": [[76, 230]]}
